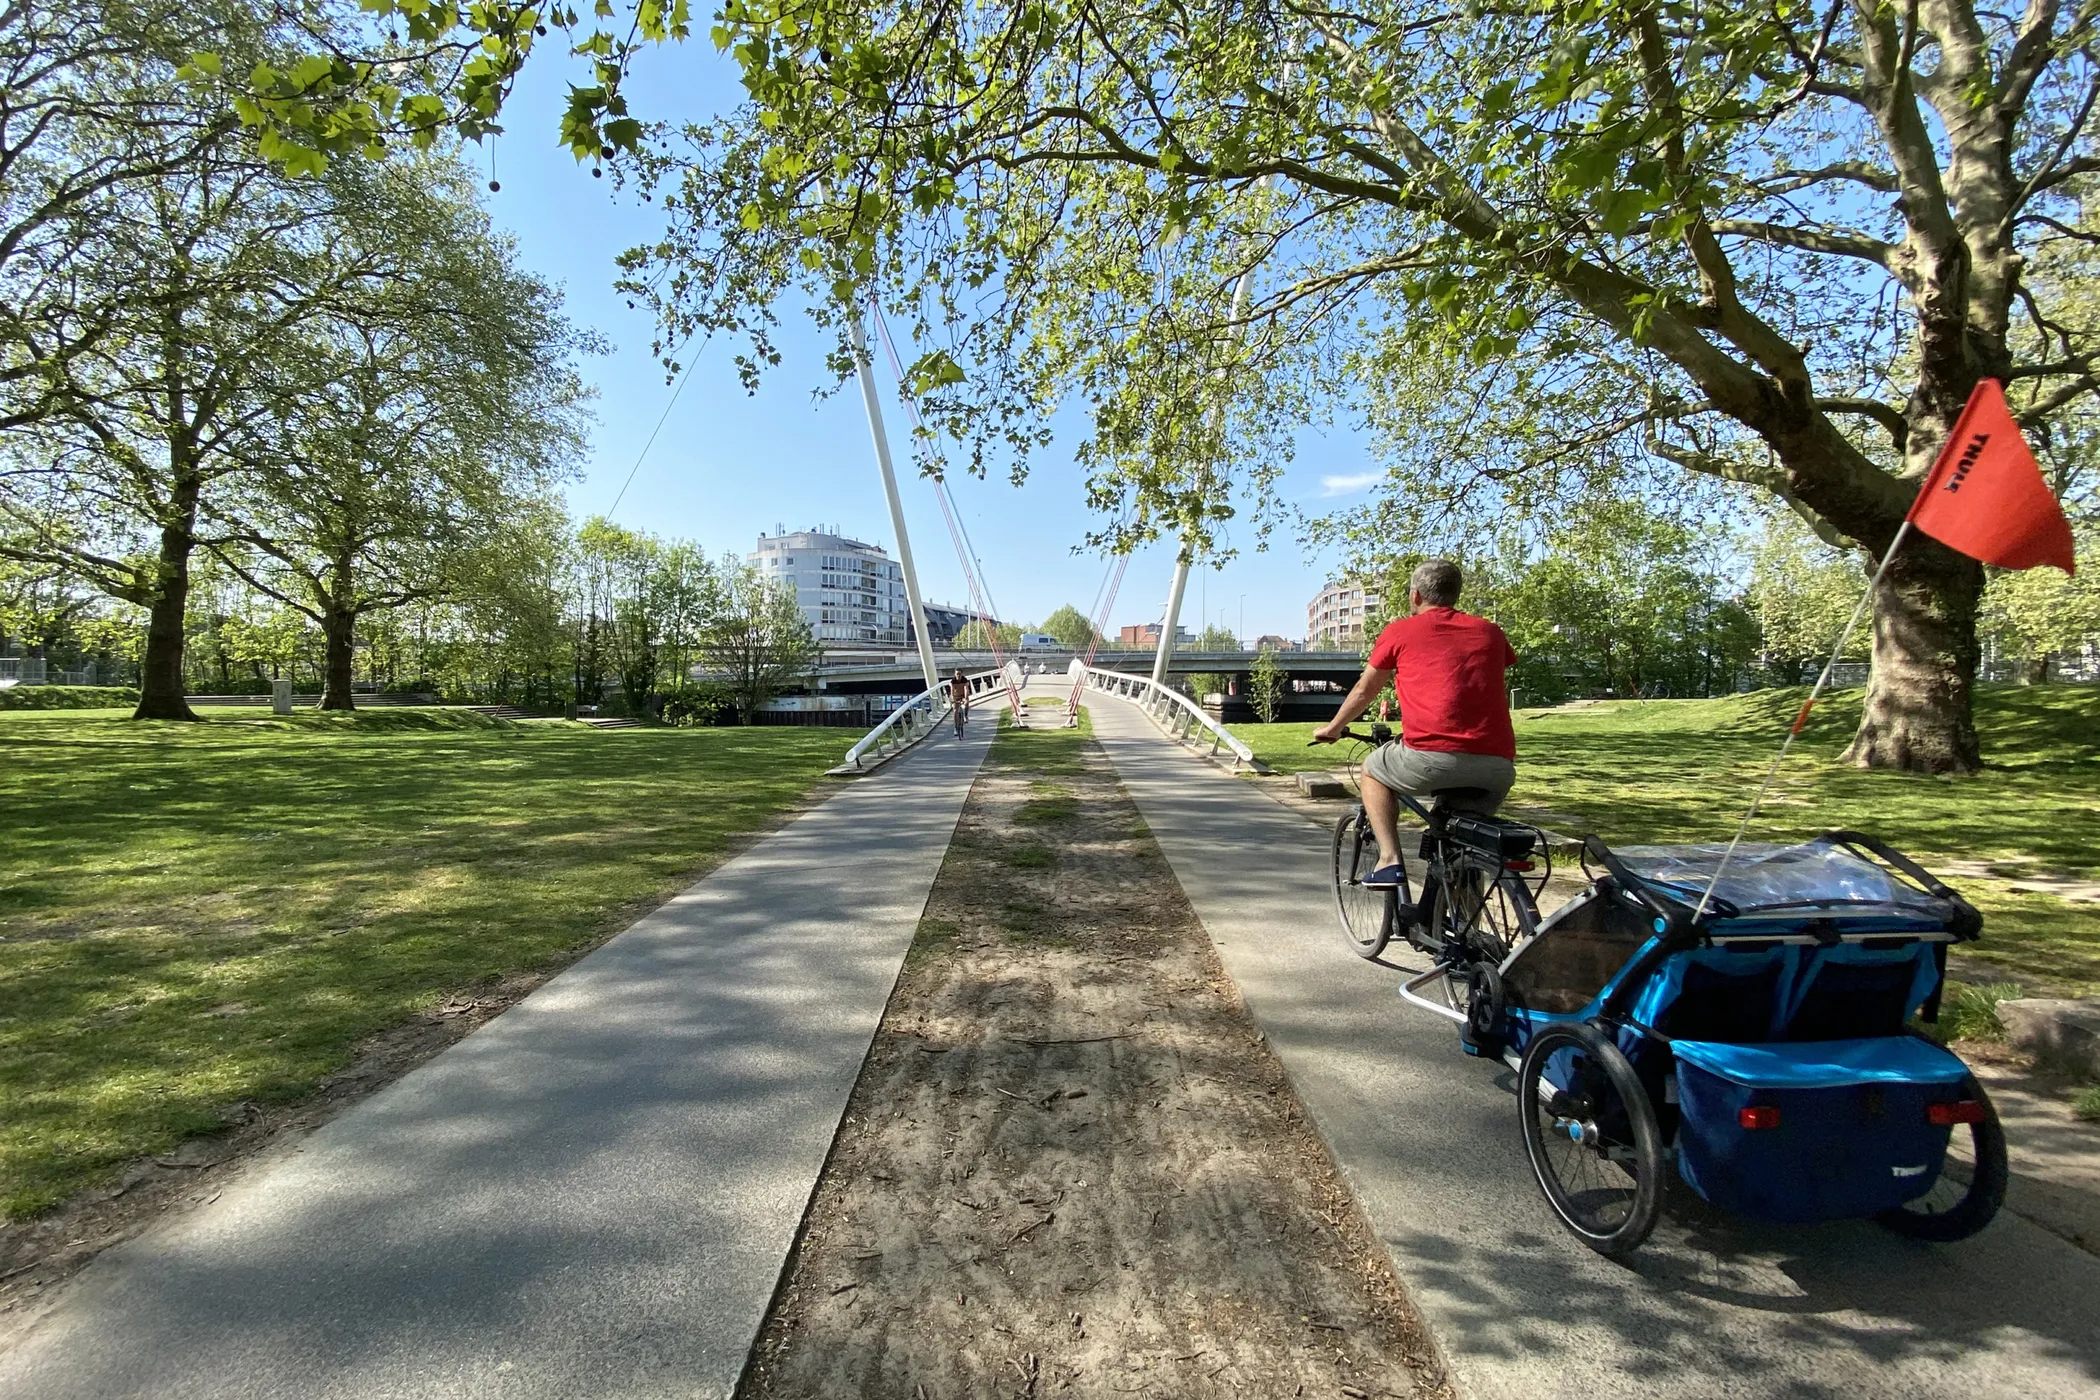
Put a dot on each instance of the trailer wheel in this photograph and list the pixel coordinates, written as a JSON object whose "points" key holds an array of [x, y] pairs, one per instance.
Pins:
{"points": [[1954, 1209]]}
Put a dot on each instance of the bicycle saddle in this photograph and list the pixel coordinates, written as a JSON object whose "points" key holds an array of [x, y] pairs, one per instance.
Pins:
{"points": [[1449, 801]]}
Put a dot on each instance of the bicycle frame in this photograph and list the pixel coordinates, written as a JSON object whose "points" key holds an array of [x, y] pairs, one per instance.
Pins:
{"points": [[1469, 875], [1441, 854]]}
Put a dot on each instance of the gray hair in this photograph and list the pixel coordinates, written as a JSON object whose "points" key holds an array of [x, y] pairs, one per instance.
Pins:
{"points": [[1438, 581]]}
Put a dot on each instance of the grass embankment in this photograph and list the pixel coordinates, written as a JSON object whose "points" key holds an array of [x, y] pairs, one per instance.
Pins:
{"points": [[1684, 770], [196, 915]]}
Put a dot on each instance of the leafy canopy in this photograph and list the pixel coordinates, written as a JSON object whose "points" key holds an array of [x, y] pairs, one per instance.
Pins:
{"points": [[1770, 241]]}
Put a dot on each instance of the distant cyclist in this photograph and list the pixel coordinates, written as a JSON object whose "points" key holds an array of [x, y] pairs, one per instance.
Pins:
{"points": [[959, 699], [1448, 669]]}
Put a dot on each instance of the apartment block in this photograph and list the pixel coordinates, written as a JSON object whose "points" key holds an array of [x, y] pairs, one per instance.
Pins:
{"points": [[1334, 621], [852, 592]]}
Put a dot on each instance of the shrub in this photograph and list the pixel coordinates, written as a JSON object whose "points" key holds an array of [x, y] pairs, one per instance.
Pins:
{"points": [[2087, 1104], [1265, 685], [67, 697], [697, 703], [1971, 1013]]}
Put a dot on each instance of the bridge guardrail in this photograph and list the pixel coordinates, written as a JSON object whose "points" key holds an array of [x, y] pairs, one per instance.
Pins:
{"points": [[908, 724], [1181, 718]]}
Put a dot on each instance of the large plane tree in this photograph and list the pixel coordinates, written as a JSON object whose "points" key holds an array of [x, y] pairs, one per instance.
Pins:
{"points": [[1771, 242]]}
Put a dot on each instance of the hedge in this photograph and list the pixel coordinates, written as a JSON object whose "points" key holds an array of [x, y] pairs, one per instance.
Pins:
{"points": [[67, 697]]}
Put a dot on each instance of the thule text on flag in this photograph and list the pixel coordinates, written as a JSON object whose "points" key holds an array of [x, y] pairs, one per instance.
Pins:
{"points": [[1986, 497]]}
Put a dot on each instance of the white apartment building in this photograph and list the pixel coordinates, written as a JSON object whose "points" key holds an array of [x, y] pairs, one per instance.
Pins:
{"points": [[851, 592], [1334, 621]]}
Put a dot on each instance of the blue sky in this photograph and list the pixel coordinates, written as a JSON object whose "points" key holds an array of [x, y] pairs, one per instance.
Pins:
{"points": [[728, 465]]}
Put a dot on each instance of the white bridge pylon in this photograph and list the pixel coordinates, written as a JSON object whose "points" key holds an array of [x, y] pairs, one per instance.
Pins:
{"points": [[864, 367]]}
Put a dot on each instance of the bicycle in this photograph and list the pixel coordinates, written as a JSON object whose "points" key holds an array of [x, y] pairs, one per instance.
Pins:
{"points": [[1479, 895]]}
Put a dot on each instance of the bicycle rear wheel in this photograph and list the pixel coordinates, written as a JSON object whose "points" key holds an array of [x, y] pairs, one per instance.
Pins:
{"points": [[1471, 924], [1475, 906], [1366, 915]]}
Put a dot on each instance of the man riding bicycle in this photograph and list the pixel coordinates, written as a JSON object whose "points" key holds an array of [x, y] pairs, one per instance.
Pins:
{"points": [[959, 699], [1447, 667]]}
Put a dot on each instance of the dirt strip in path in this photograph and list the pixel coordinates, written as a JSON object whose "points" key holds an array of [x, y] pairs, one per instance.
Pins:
{"points": [[1071, 1166]]}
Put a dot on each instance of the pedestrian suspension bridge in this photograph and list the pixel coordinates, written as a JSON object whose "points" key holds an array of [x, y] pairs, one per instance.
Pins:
{"points": [[911, 723]]}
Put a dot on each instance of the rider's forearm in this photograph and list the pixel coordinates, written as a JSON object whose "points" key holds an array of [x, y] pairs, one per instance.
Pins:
{"points": [[1367, 687]]}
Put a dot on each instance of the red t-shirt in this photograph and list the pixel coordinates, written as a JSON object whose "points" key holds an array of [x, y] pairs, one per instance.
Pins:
{"points": [[1447, 669]]}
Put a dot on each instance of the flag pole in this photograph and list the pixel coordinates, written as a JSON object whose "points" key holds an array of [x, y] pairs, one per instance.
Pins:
{"points": [[2016, 523], [1801, 719]]}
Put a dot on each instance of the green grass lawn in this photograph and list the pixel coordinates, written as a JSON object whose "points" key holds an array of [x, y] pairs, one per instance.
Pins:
{"points": [[196, 915], [1684, 770]]}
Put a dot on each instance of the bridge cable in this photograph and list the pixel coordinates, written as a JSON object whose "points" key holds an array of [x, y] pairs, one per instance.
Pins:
{"points": [[662, 419], [1105, 600], [934, 465]]}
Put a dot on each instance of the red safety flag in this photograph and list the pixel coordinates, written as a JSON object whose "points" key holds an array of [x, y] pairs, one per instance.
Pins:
{"points": [[1985, 496]]}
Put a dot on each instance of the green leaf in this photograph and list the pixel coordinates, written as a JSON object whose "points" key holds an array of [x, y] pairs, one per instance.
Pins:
{"points": [[935, 369]]}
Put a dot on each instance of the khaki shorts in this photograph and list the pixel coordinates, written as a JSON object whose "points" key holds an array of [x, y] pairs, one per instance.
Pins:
{"points": [[1420, 772]]}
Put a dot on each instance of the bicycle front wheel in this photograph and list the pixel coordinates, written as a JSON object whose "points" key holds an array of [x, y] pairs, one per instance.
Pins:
{"points": [[1366, 914]]}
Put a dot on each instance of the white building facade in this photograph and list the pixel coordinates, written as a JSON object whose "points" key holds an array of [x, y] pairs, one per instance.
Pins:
{"points": [[851, 592], [1334, 621]]}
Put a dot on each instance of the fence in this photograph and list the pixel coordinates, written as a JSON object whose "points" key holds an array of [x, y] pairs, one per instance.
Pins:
{"points": [[1181, 718], [914, 720]]}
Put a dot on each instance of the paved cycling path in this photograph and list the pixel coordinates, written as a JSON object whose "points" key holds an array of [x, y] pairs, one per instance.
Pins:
{"points": [[1428, 1140], [590, 1197]]}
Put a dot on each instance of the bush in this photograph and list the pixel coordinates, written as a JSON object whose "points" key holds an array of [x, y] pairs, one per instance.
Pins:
{"points": [[67, 697], [2087, 1104], [697, 703], [237, 685], [1971, 1013]]}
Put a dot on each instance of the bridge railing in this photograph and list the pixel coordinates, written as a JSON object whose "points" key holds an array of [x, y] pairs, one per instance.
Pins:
{"points": [[1182, 718], [908, 724]]}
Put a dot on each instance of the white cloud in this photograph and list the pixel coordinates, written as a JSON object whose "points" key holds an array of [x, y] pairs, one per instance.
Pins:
{"points": [[1348, 485]]}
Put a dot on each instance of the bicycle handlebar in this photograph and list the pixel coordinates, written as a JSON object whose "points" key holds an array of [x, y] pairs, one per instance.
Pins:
{"points": [[1380, 734]]}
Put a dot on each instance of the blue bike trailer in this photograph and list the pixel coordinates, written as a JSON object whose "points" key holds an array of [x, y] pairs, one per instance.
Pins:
{"points": [[1761, 1043], [1805, 942], [1815, 1130]]}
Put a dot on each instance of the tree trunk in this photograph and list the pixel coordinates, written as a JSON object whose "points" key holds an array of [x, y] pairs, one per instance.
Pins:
{"points": [[160, 675], [1917, 716], [338, 628], [2036, 670]]}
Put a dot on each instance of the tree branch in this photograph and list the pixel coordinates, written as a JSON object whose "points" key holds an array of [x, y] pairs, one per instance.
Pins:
{"points": [[1812, 240], [1891, 419]]}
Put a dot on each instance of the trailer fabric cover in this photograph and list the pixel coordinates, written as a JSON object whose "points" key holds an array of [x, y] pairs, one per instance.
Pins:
{"points": [[1852, 1138]]}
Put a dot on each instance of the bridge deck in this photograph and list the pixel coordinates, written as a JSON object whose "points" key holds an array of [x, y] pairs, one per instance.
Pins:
{"points": [[1428, 1141], [593, 1195]]}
